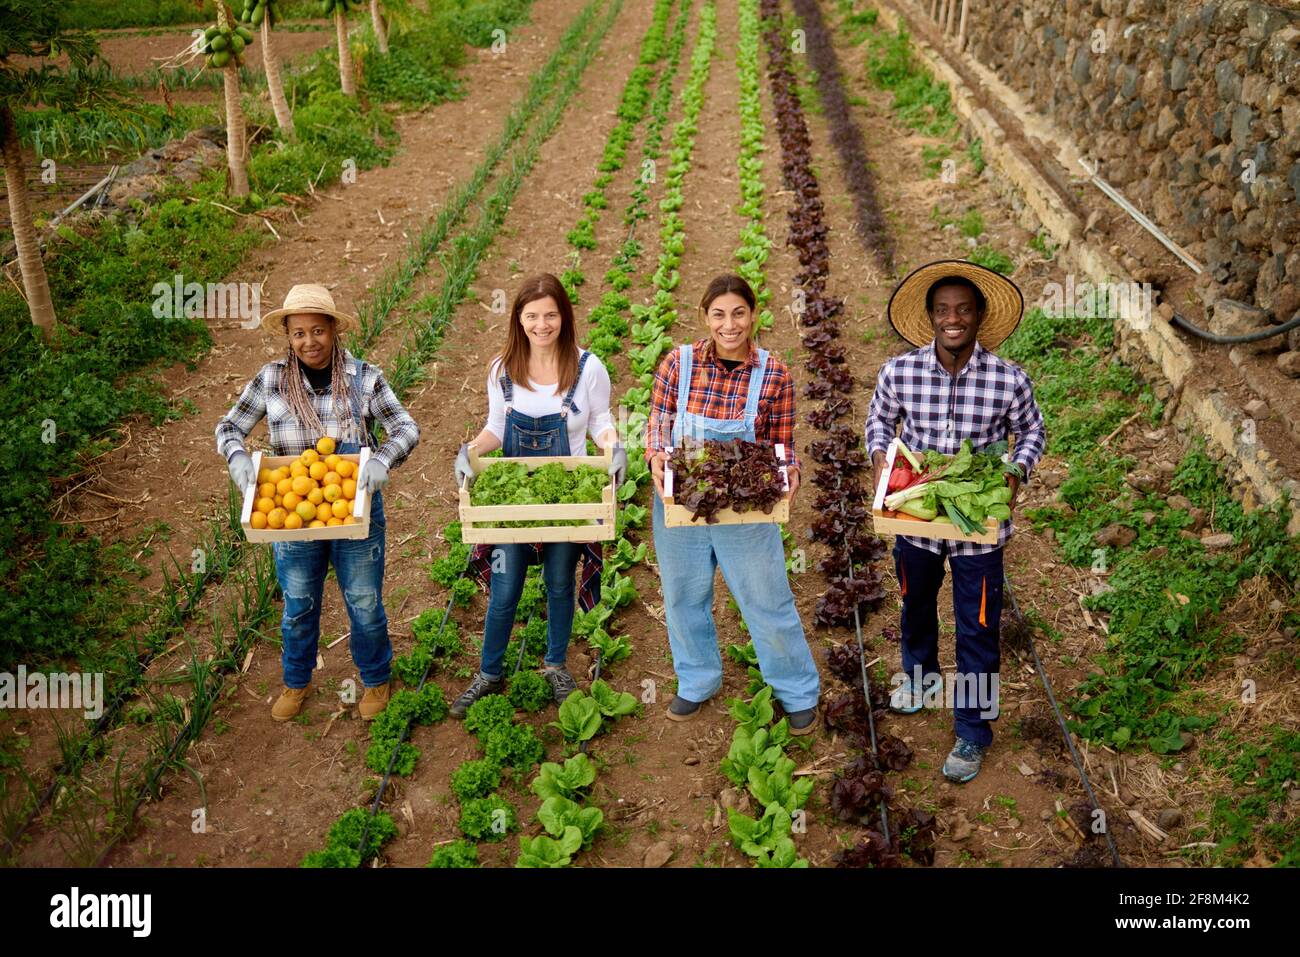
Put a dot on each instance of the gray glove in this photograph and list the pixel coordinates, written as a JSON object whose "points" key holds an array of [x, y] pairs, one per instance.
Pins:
{"points": [[463, 470], [618, 467], [373, 477], [241, 470]]}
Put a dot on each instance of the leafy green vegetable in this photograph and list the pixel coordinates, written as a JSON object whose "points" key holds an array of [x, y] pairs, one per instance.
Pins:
{"points": [[750, 749], [488, 818], [511, 483], [580, 718], [489, 712], [475, 779], [567, 781], [757, 838], [778, 786], [755, 713], [543, 851], [529, 691], [459, 853], [612, 704], [514, 746], [557, 814]]}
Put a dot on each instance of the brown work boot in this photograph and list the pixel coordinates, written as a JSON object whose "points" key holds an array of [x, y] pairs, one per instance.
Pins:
{"points": [[373, 701], [289, 703]]}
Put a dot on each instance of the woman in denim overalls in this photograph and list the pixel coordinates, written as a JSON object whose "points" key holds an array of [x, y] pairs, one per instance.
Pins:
{"points": [[542, 420], [320, 389], [698, 392]]}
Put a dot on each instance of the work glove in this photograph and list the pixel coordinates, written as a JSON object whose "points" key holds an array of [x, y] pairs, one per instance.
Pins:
{"points": [[618, 466], [373, 477], [463, 470], [241, 470]]}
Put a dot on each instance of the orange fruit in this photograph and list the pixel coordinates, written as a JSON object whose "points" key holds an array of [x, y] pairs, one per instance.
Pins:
{"points": [[281, 473], [331, 478], [332, 462], [302, 485], [315, 496], [333, 493], [309, 456], [341, 508], [266, 490], [278, 500], [291, 500], [293, 520], [257, 520], [317, 470], [323, 511], [306, 511], [265, 505], [264, 475], [350, 520], [297, 469], [346, 468], [335, 521], [325, 445], [349, 488], [284, 485], [316, 523], [276, 518]]}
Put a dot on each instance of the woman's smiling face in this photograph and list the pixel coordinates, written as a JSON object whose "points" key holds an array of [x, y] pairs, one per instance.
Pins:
{"points": [[541, 320], [311, 334], [730, 320]]}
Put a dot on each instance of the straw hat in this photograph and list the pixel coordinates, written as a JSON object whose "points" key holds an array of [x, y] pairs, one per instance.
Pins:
{"points": [[1005, 304], [306, 297]]}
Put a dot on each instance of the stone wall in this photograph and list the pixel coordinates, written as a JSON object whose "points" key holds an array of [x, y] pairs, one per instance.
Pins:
{"points": [[1193, 110]]}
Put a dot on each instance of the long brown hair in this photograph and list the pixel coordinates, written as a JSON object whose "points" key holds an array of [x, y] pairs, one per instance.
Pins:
{"points": [[514, 358]]}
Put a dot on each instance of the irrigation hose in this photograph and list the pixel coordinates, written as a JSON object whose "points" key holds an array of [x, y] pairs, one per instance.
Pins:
{"points": [[1185, 325], [862, 663], [1060, 718]]}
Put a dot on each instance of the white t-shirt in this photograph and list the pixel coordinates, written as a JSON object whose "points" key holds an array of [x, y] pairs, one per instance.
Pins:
{"points": [[591, 397]]}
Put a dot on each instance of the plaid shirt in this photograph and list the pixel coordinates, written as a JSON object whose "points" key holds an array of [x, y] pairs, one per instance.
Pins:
{"points": [[989, 399], [261, 398], [720, 394]]}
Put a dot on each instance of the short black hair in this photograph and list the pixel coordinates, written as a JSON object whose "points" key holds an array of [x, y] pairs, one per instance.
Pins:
{"points": [[980, 302]]}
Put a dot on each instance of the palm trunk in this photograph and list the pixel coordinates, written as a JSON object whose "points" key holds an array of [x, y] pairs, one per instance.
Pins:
{"points": [[36, 284], [271, 60], [236, 148], [381, 32], [346, 80]]}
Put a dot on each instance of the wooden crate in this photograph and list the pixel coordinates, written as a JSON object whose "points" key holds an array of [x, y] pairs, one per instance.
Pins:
{"points": [[920, 529], [679, 516], [600, 515], [360, 507]]}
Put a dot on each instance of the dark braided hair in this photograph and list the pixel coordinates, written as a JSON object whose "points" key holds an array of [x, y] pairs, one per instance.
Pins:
{"points": [[295, 394]]}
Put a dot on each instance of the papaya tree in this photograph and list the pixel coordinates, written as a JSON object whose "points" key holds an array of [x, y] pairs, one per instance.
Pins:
{"points": [[31, 39], [224, 43], [263, 15], [338, 9]]}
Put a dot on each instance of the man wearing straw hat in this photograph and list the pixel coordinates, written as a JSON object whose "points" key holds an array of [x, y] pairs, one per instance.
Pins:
{"points": [[320, 389], [949, 389]]}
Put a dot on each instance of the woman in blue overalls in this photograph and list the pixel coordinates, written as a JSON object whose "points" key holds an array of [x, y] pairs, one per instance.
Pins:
{"points": [[723, 388], [545, 396], [320, 389]]}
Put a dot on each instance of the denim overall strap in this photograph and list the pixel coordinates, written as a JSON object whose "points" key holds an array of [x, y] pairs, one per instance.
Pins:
{"points": [[507, 387], [568, 405], [351, 448], [683, 389], [756, 377]]}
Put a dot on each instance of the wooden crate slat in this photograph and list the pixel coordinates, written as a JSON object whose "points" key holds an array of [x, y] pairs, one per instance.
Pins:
{"points": [[473, 518], [360, 507]]}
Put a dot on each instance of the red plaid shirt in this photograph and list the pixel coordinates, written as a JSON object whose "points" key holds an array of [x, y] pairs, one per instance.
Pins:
{"points": [[720, 394]]}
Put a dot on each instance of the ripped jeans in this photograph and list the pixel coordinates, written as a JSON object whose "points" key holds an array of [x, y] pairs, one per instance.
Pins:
{"points": [[359, 565]]}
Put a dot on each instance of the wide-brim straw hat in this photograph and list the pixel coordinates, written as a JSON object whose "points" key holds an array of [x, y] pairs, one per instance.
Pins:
{"points": [[303, 298], [1004, 302]]}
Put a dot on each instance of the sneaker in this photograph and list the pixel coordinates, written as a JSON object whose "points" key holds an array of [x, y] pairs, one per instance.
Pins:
{"points": [[373, 702], [561, 682], [682, 709], [289, 703], [802, 722], [479, 687], [906, 698], [964, 761]]}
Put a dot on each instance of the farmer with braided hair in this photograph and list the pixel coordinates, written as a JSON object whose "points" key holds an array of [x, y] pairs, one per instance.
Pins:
{"points": [[320, 389]]}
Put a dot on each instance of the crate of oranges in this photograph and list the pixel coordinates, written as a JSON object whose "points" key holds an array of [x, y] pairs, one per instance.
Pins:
{"points": [[299, 498]]}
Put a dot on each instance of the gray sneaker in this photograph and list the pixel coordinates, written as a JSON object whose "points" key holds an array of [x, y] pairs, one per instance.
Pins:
{"points": [[561, 682], [963, 761], [479, 687], [906, 698]]}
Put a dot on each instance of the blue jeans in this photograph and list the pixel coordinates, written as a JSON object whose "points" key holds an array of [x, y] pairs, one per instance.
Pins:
{"points": [[977, 608], [753, 566], [359, 566], [509, 567]]}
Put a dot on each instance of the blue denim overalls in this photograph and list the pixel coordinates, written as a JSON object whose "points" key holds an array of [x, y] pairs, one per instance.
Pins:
{"points": [[753, 565], [359, 565], [527, 435]]}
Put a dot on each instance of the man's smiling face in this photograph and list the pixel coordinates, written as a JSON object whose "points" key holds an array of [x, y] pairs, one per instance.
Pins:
{"points": [[955, 319]]}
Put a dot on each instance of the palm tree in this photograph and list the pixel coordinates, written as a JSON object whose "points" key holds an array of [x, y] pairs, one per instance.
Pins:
{"points": [[30, 32], [377, 21], [263, 15], [339, 8]]}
